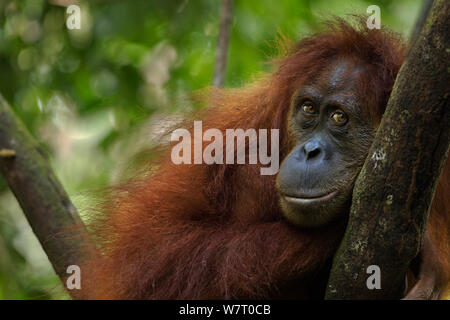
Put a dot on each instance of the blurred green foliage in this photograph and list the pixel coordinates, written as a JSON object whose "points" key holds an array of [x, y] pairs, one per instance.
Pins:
{"points": [[89, 95]]}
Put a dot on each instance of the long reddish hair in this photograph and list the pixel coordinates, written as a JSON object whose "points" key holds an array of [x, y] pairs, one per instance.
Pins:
{"points": [[216, 231]]}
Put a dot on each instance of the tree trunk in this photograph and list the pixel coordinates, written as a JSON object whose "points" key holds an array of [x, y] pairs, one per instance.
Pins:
{"points": [[394, 191]]}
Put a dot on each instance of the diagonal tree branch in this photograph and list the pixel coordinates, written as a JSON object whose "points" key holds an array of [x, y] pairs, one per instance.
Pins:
{"points": [[394, 191], [48, 209]]}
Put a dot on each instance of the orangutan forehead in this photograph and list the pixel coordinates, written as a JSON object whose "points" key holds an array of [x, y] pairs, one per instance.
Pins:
{"points": [[339, 75]]}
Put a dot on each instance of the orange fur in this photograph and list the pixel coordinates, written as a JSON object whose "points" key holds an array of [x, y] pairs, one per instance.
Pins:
{"points": [[216, 231]]}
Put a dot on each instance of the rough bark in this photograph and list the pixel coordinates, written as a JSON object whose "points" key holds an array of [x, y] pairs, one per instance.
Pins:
{"points": [[223, 40], [394, 191], [48, 209]]}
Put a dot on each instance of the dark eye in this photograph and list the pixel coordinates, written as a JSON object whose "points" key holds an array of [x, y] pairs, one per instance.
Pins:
{"points": [[339, 118], [308, 108]]}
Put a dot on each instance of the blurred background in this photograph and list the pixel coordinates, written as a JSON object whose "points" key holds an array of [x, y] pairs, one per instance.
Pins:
{"points": [[94, 96]]}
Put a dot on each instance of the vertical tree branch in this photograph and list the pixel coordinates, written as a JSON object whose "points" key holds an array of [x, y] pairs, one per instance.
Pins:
{"points": [[48, 209], [426, 6], [394, 191], [220, 67]]}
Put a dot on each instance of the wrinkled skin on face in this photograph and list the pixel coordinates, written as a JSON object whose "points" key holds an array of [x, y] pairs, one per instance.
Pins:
{"points": [[331, 137]]}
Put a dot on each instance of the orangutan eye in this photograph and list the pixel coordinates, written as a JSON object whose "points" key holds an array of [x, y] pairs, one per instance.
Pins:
{"points": [[308, 108], [339, 117]]}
